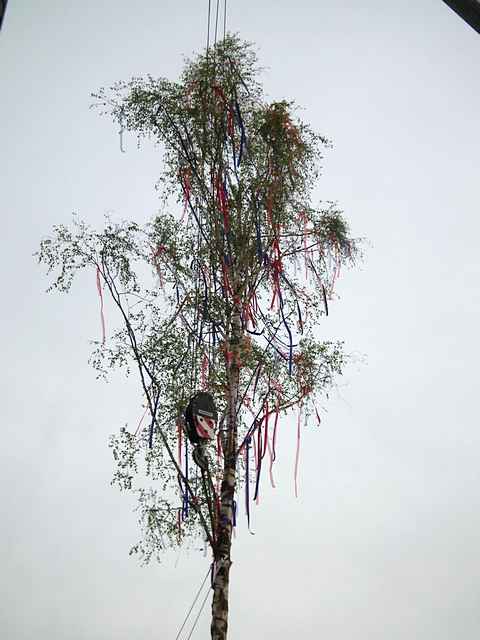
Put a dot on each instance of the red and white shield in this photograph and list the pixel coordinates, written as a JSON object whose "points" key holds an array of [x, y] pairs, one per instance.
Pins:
{"points": [[205, 427]]}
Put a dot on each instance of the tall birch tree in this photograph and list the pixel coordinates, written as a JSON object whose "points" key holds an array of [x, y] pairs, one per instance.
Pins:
{"points": [[223, 291]]}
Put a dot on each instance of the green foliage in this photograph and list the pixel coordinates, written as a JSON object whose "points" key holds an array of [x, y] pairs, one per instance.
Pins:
{"points": [[249, 245]]}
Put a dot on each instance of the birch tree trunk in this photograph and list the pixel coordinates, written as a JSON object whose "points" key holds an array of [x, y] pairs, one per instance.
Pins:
{"points": [[222, 560]]}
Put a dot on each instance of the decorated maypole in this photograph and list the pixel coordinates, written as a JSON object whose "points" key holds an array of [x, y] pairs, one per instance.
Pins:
{"points": [[224, 331]]}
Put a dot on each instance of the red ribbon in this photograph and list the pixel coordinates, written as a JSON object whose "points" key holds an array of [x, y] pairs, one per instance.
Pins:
{"points": [[99, 289], [204, 371], [297, 454]]}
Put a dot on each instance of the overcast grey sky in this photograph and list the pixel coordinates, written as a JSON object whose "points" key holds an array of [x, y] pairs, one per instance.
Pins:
{"points": [[383, 541]]}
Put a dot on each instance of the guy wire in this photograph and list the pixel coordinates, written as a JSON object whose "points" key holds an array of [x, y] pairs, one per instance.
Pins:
{"points": [[193, 604], [198, 615]]}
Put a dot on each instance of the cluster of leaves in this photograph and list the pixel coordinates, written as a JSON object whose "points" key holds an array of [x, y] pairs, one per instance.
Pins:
{"points": [[252, 245]]}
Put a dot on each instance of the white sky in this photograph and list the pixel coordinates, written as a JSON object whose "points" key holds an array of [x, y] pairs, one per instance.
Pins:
{"points": [[383, 541]]}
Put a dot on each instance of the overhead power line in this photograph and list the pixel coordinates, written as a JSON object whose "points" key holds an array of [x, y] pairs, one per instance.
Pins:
{"points": [[469, 10]]}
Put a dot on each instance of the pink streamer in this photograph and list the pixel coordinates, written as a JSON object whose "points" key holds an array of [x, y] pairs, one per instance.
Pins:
{"points": [[99, 289], [274, 439], [204, 372], [270, 453], [298, 451], [141, 420]]}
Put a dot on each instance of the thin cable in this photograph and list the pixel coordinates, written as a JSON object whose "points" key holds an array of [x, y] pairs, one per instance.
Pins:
{"points": [[224, 19], [193, 604], [208, 27], [198, 615], [216, 22]]}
